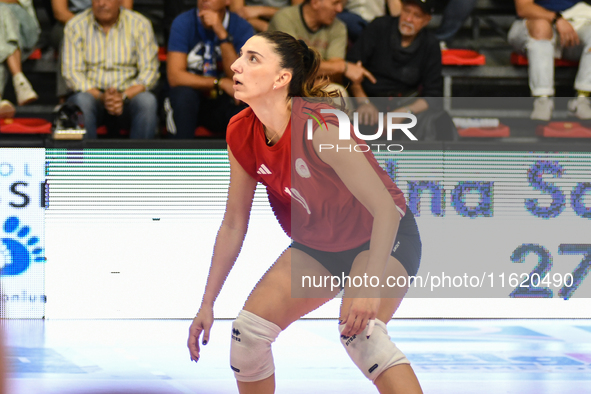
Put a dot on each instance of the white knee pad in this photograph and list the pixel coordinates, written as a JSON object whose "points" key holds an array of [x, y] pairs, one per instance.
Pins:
{"points": [[250, 353], [374, 355]]}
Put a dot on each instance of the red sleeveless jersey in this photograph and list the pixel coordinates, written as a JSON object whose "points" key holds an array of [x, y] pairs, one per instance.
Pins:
{"points": [[312, 204]]}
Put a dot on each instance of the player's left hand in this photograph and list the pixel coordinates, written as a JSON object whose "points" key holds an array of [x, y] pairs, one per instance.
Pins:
{"points": [[357, 315]]}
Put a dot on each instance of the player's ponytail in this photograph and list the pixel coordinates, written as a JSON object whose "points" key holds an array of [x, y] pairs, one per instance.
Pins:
{"points": [[304, 63]]}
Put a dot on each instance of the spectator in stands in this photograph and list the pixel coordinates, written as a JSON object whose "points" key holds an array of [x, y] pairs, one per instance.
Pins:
{"points": [[358, 13], [406, 61], [19, 31], [549, 29], [455, 13], [63, 11], [204, 42], [259, 12], [454, 16], [315, 22], [111, 61]]}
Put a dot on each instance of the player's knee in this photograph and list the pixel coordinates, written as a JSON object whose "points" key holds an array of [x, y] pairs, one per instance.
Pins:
{"points": [[250, 353], [374, 355]]}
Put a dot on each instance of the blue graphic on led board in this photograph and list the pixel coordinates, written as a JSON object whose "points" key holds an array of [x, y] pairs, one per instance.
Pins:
{"points": [[19, 248]]}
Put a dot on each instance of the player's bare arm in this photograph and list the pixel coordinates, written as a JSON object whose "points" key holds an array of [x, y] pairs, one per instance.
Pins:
{"points": [[227, 247]]}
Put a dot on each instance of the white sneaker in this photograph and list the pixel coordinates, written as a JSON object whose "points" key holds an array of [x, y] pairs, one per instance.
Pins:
{"points": [[6, 109], [580, 107], [23, 89], [543, 107]]}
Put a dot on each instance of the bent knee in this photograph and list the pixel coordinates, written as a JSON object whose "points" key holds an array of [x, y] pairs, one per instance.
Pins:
{"points": [[84, 100], [251, 358], [540, 29], [375, 354], [145, 101]]}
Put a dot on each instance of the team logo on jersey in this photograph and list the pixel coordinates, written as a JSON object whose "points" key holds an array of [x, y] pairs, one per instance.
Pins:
{"points": [[302, 168], [263, 170]]}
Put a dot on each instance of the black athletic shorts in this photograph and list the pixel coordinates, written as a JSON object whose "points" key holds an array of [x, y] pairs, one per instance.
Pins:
{"points": [[407, 250]]}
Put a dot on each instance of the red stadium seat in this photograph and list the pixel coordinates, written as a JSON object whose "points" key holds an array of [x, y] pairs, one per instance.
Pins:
{"points": [[563, 130], [102, 131], [462, 57], [162, 54], [501, 131], [36, 55], [200, 131], [25, 126], [518, 59], [203, 132]]}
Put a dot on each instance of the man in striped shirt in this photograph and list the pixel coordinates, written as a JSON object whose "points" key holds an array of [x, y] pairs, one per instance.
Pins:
{"points": [[110, 61]]}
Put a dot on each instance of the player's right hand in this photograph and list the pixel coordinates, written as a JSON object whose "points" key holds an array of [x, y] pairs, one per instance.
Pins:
{"points": [[201, 324]]}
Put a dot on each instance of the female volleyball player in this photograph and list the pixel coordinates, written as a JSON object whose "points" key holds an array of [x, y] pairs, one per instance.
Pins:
{"points": [[348, 218]]}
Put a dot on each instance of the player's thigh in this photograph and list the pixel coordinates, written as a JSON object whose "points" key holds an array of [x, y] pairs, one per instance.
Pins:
{"points": [[393, 285], [396, 286], [273, 299]]}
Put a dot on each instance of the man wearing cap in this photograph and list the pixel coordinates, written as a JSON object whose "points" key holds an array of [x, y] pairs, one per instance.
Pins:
{"points": [[552, 29], [405, 59]]}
